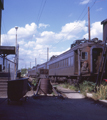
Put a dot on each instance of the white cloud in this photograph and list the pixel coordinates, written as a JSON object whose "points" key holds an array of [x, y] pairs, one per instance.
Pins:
{"points": [[22, 33], [43, 25], [96, 31], [33, 44], [99, 9], [74, 27], [84, 2]]}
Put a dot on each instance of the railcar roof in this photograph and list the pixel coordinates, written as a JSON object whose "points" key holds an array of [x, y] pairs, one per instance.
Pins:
{"points": [[104, 21], [80, 44]]}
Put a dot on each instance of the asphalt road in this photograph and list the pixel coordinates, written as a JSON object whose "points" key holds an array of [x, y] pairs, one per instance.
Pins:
{"points": [[52, 108]]}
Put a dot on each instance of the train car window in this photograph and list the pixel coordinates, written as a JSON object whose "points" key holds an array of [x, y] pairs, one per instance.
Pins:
{"points": [[62, 63], [84, 55], [66, 62], [69, 61]]}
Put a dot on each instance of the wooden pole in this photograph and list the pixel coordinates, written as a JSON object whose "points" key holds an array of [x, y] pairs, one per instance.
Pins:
{"points": [[89, 22], [35, 62], [47, 54]]}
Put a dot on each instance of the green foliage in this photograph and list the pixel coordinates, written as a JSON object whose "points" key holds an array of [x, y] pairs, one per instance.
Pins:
{"points": [[101, 93], [71, 87], [87, 87], [66, 85], [34, 81], [23, 71]]}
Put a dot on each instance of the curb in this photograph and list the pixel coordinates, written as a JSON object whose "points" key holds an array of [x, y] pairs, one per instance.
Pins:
{"points": [[101, 102]]}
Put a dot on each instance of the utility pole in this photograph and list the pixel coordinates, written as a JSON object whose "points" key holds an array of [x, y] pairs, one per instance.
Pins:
{"points": [[89, 23], [30, 64], [35, 62], [47, 54], [1, 8]]}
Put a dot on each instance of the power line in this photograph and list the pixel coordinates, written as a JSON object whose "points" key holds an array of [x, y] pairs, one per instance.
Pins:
{"points": [[77, 20], [80, 19], [41, 11]]}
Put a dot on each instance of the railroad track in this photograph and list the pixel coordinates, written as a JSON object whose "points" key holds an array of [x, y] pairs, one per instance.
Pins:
{"points": [[57, 92]]}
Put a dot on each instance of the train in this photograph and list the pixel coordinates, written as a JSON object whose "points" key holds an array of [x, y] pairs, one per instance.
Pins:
{"points": [[80, 62]]}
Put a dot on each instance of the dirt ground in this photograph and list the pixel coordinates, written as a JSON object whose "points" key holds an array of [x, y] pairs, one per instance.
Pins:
{"points": [[52, 108]]}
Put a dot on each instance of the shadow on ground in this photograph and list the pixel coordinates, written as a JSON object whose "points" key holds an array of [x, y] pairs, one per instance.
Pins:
{"points": [[51, 108]]}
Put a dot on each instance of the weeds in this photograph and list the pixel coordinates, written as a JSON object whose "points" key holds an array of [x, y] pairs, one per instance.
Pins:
{"points": [[101, 93], [89, 87], [71, 87]]}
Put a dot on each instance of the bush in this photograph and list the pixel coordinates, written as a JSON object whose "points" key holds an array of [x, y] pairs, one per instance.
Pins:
{"points": [[101, 93], [87, 87]]}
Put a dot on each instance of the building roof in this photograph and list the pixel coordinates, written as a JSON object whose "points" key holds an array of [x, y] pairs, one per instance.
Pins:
{"points": [[7, 50]]}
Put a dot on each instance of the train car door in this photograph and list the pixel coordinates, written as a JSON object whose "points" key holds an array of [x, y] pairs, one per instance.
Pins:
{"points": [[76, 62], [96, 55]]}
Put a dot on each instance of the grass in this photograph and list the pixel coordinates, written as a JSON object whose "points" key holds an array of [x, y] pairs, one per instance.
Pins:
{"points": [[89, 87], [71, 87], [101, 93]]}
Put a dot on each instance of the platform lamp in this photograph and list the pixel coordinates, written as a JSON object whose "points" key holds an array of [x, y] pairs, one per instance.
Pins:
{"points": [[16, 57]]}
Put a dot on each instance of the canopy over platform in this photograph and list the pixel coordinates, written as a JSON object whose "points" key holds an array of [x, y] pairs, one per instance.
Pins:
{"points": [[6, 50]]}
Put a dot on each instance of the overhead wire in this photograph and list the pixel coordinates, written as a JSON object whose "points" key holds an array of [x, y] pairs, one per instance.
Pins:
{"points": [[42, 6], [77, 20], [41, 11], [80, 19]]}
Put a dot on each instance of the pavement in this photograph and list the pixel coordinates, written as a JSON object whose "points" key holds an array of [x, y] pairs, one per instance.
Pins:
{"points": [[73, 107], [71, 94]]}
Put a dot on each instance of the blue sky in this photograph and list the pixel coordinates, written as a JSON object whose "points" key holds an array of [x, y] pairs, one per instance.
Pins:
{"points": [[49, 23]]}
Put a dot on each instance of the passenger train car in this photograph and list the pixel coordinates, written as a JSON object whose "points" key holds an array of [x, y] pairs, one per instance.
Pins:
{"points": [[36, 69], [82, 60]]}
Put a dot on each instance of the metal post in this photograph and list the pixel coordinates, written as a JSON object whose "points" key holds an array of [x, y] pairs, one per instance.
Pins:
{"points": [[16, 34], [89, 22], [16, 54]]}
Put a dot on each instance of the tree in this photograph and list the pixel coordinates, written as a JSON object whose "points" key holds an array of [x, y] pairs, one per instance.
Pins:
{"points": [[23, 71]]}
